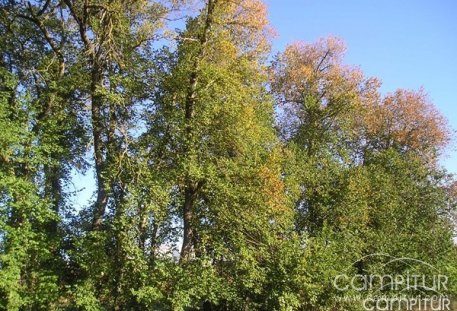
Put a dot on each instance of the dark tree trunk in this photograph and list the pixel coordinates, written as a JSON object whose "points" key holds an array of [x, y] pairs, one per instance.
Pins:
{"points": [[97, 134], [190, 188], [188, 219]]}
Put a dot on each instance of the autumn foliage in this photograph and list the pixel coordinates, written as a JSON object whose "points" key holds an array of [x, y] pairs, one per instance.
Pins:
{"points": [[407, 121], [313, 88]]}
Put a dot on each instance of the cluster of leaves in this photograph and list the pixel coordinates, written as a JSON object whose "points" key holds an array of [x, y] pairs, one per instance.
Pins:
{"points": [[222, 182]]}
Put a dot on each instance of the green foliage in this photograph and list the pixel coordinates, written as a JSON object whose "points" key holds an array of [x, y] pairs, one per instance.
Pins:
{"points": [[221, 183], [25, 278]]}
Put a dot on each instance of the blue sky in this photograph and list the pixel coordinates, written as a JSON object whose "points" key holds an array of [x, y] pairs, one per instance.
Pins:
{"points": [[407, 43]]}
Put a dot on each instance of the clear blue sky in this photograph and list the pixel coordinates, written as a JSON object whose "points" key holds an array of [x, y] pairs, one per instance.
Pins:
{"points": [[405, 43]]}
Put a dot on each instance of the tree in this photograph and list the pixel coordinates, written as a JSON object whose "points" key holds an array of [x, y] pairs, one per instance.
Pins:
{"points": [[359, 170], [27, 278], [316, 94], [42, 143], [217, 144], [406, 121]]}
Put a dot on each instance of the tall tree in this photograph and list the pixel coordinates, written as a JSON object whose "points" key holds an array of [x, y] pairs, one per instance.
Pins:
{"points": [[218, 145]]}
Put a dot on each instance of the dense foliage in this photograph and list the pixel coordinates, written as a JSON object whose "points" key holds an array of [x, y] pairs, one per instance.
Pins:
{"points": [[223, 180]]}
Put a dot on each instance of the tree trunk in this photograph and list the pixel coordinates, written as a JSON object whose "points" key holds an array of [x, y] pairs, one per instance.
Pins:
{"points": [[188, 218], [97, 131], [190, 190], [53, 190]]}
